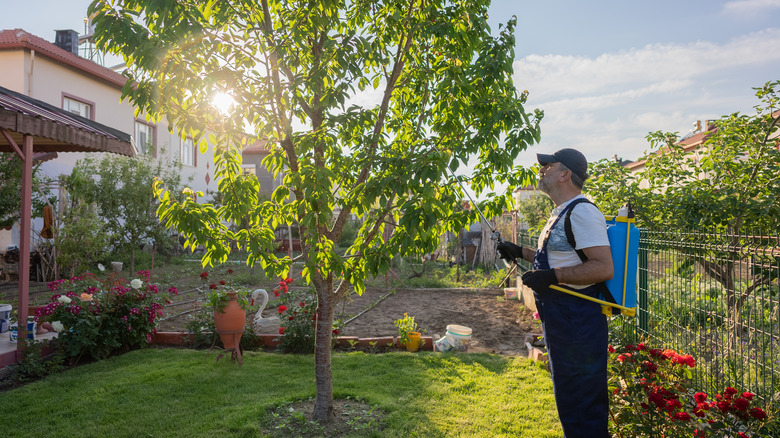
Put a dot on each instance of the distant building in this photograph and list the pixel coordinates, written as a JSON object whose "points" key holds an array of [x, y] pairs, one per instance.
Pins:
{"points": [[691, 144], [53, 72]]}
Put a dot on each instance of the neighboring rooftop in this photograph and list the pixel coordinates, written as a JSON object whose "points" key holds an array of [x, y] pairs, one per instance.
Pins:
{"points": [[15, 39]]}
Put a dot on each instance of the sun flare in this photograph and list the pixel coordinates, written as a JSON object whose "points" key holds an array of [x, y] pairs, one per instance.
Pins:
{"points": [[223, 102]]}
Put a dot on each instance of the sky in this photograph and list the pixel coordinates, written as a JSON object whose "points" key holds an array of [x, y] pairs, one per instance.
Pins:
{"points": [[605, 72]]}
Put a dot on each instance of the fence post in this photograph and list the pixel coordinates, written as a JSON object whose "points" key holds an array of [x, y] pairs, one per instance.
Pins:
{"points": [[642, 292]]}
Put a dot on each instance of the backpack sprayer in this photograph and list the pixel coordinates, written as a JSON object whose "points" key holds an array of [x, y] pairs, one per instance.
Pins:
{"points": [[623, 238]]}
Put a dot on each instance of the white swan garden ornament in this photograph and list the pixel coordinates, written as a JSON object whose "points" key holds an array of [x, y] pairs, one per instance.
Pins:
{"points": [[264, 325]]}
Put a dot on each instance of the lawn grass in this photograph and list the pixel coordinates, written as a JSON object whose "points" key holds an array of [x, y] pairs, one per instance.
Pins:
{"points": [[188, 393]]}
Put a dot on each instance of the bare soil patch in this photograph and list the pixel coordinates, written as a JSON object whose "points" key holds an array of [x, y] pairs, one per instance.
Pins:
{"points": [[498, 325]]}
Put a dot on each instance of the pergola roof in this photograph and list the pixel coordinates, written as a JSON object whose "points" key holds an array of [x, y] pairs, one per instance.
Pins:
{"points": [[54, 129]]}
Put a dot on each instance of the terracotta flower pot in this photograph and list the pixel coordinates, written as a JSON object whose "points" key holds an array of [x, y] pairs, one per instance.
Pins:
{"points": [[230, 322], [414, 341]]}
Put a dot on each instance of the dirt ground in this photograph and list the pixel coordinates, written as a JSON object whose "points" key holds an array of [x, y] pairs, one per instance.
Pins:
{"points": [[498, 325]]}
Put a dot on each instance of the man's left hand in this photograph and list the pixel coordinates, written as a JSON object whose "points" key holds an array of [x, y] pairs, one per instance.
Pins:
{"points": [[540, 279]]}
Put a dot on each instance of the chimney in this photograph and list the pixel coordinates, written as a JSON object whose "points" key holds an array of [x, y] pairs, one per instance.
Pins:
{"points": [[68, 40]]}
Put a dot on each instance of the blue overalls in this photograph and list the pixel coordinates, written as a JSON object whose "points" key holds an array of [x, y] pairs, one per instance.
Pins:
{"points": [[575, 332]]}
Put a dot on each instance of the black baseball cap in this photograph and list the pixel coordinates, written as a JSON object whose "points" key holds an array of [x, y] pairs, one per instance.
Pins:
{"points": [[571, 158]]}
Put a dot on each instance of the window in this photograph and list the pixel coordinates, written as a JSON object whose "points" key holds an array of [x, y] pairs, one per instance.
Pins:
{"points": [[249, 169], [77, 107], [188, 152], [144, 138]]}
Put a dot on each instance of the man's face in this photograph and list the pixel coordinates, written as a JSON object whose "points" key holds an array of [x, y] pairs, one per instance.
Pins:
{"points": [[548, 176]]}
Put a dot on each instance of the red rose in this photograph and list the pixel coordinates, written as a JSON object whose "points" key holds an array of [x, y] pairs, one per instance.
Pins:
{"points": [[230, 271], [641, 347], [611, 349], [222, 282], [758, 414], [288, 280], [302, 304], [335, 331], [656, 399], [281, 330], [748, 395], [276, 292], [724, 405], [212, 286], [700, 397], [204, 275], [741, 404], [282, 308], [682, 416], [730, 391]]}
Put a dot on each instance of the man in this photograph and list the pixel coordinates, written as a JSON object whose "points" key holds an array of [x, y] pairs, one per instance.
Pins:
{"points": [[575, 329]]}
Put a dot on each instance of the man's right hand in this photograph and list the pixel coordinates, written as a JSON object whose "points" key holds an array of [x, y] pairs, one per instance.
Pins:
{"points": [[509, 251]]}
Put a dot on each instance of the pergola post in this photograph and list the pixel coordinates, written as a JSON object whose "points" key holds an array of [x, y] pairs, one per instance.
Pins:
{"points": [[24, 240]]}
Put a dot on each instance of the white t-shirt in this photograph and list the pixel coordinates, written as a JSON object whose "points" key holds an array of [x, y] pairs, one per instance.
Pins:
{"points": [[588, 226]]}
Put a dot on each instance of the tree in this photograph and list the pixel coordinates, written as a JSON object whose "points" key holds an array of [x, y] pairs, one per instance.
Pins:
{"points": [[535, 210], [731, 184], [365, 105], [121, 189], [11, 190]]}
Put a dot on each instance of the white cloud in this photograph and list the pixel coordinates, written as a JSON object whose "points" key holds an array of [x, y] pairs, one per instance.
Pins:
{"points": [[651, 69], [749, 7]]}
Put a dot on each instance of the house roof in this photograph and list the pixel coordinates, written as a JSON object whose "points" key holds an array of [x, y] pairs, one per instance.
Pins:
{"points": [[688, 144], [19, 39], [257, 147], [54, 129]]}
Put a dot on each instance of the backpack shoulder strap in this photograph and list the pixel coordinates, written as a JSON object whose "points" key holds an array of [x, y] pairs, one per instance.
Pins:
{"points": [[605, 293], [568, 230]]}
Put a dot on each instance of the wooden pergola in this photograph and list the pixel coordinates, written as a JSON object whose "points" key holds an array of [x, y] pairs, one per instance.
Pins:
{"points": [[30, 127]]}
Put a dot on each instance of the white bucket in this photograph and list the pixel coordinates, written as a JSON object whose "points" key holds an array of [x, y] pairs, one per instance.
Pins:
{"points": [[5, 317], [458, 336]]}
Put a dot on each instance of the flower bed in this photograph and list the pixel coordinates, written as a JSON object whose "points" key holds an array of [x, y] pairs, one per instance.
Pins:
{"points": [[95, 319], [651, 396]]}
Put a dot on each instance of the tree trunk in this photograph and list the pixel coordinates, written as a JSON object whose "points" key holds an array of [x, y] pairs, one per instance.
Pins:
{"points": [[323, 376]]}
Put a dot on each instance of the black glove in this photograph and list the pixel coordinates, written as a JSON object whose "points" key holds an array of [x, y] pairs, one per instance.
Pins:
{"points": [[509, 251], [540, 279]]}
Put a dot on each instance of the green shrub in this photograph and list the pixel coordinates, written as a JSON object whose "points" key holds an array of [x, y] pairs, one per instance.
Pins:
{"points": [[95, 320]]}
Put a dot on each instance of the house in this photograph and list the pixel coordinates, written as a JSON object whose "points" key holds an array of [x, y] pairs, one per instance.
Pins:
{"points": [[691, 145], [252, 156], [54, 73]]}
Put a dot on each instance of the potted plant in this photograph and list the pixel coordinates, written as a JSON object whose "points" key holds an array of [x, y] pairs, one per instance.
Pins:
{"points": [[229, 312], [408, 334]]}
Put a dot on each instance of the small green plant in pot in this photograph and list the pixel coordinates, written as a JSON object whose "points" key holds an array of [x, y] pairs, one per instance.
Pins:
{"points": [[408, 333]]}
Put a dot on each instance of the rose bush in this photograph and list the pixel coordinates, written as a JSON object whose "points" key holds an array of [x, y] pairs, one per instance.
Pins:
{"points": [[651, 396], [96, 320], [298, 316]]}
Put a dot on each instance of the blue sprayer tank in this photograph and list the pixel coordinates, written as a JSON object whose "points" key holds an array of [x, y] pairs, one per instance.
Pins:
{"points": [[624, 242]]}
